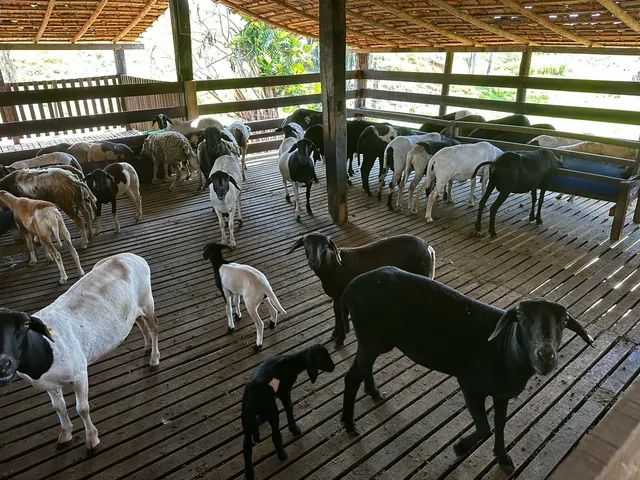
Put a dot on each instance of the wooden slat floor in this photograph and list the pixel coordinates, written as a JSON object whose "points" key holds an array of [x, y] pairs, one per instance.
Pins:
{"points": [[182, 421]]}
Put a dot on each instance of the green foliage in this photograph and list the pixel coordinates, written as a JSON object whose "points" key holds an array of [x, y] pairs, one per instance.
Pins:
{"points": [[494, 93], [551, 70], [265, 51]]}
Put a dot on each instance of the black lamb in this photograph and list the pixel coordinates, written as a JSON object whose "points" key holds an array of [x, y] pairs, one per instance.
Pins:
{"points": [[490, 351], [517, 172], [210, 147], [337, 267], [274, 378]]}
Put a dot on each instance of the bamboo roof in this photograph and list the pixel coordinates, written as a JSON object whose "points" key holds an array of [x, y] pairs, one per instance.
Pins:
{"points": [[371, 24], [73, 21], [442, 24]]}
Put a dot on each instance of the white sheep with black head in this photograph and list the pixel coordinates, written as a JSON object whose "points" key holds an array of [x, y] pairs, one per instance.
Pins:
{"points": [[225, 191], [297, 167]]}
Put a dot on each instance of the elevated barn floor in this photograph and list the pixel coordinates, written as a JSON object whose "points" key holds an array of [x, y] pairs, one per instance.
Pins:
{"points": [[182, 421]]}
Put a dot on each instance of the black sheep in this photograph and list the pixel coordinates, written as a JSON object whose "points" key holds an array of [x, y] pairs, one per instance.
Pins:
{"points": [[518, 172], [60, 147], [105, 189], [489, 134], [304, 117], [210, 147], [273, 379], [490, 351]]}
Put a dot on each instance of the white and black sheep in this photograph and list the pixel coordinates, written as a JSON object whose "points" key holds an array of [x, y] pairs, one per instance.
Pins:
{"points": [[225, 193], [297, 167]]}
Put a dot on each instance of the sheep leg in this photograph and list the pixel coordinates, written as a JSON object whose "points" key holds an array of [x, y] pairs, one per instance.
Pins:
{"points": [[253, 313], [116, 225], [166, 169], [338, 331], [231, 326], [383, 174], [448, 189], [151, 322], [145, 333], [273, 313], [48, 247], [432, 199], [533, 204], [177, 179], [475, 405], [60, 407], [244, 163], [276, 436], [285, 398], [247, 452], [28, 238], [366, 366], [134, 195], [483, 202], [62, 229], [352, 381], [81, 389], [540, 200], [296, 201], [154, 180], [367, 165], [499, 450], [472, 188], [223, 235], [97, 225], [411, 203], [238, 202], [286, 191], [309, 199], [502, 196], [236, 305], [232, 239]]}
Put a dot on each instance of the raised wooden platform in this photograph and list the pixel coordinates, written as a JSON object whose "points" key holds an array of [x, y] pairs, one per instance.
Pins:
{"points": [[182, 421]]}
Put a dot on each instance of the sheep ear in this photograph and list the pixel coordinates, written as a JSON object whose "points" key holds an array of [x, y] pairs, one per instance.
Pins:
{"points": [[206, 184], [279, 129], [38, 326], [505, 321], [168, 120], [293, 148], [299, 243], [333, 247], [574, 326], [233, 180]]}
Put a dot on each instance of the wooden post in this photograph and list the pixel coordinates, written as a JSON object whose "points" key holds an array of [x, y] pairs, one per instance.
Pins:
{"points": [[333, 36], [8, 113], [191, 99], [181, 28], [525, 66], [121, 61], [362, 63], [448, 67]]}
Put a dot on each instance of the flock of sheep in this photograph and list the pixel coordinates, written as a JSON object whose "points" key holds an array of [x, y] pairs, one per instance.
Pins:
{"points": [[496, 356]]}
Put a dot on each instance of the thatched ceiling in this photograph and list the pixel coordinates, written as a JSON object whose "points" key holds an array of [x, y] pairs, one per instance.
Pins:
{"points": [[372, 24], [73, 21]]}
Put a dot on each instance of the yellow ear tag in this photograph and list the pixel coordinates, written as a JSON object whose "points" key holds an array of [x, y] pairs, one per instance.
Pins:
{"points": [[274, 383]]}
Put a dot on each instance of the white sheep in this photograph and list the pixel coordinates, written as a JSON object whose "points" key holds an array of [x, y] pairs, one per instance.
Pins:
{"points": [[42, 219], [395, 157], [237, 281], [456, 163], [171, 149], [241, 132], [549, 141], [128, 183], [225, 191], [298, 168], [48, 159], [83, 325]]}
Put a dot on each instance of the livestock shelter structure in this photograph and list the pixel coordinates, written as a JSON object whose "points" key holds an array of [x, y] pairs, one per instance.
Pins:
{"points": [[182, 421]]}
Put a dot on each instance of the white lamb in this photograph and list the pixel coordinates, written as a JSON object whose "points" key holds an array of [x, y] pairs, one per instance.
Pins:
{"points": [[237, 281], [225, 191], [395, 157], [55, 346], [456, 163]]}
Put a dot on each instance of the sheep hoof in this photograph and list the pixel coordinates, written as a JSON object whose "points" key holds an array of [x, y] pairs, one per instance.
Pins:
{"points": [[349, 183], [282, 455], [531, 218], [230, 330], [92, 449], [62, 281], [309, 211], [295, 429], [350, 428], [538, 222], [272, 325], [257, 348], [377, 395], [298, 218], [493, 234], [236, 317], [287, 198], [506, 465], [240, 223]]}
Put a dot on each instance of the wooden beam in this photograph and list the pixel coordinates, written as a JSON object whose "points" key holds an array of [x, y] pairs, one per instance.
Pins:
{"points": [[71, 46], [633, 51], [525, 67], [352, 13], [333, 37], [45, 20], [424, 23], [362, 64], [618, 12], [89, 22], [480, 24], [549, 25], [121, 62], [448, 67], [181, 28], [140, 16]]}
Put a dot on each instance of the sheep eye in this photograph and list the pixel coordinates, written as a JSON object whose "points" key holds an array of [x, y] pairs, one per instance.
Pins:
{"points": [[565, 319]]}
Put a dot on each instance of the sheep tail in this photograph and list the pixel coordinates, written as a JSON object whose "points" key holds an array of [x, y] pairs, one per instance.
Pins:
{"points": [[56, 229], [483, 164], [429, 173], [274, 300], [388, 157], [432, 259]]}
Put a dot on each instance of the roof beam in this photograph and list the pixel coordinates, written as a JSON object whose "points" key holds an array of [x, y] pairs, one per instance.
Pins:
{"points": [[70, 46], [424, 23], [89, 22], [140, 16], [386, 28], [549, 25], [480, 24], [621, 14], [45, 20]]}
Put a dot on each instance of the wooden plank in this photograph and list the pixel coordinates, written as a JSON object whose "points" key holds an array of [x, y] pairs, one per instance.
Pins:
{"points": [[270, 81], [448, 66], [181, 32], [333, 35], [72, 46]]}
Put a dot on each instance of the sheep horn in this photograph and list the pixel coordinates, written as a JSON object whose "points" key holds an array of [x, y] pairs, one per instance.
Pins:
{"points": [[299, 243], [575, 326]]}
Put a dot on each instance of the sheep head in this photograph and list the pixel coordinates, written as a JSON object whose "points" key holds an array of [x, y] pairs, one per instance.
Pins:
{"points": [[321, 251], [220, 181], [317, 359], [539, 325], [162, 120], [213, 252]]}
